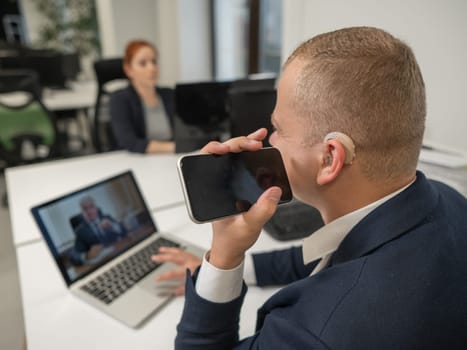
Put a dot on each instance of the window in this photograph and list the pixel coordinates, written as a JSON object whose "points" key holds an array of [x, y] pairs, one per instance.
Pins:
{"points": [[270, 36], [246, 37]]}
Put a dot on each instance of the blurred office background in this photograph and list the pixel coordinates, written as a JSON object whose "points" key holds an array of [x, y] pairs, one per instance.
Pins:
{"points": [[198, 40], [206, 41], [211, 40]]}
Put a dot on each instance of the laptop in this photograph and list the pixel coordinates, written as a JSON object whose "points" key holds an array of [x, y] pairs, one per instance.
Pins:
{"points": [[102, 237]]}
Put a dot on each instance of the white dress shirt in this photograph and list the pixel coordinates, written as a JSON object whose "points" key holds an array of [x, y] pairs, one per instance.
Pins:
{"points": [[222, 286]]}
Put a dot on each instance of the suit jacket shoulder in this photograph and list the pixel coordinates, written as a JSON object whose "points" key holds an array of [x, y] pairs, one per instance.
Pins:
{"points": [[396, 281]]}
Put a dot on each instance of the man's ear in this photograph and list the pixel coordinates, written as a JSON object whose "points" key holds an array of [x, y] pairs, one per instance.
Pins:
{"points": [[332, 160]]}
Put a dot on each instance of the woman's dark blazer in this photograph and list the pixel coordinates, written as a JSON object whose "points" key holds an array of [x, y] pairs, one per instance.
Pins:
{"points": [[127, 117]]}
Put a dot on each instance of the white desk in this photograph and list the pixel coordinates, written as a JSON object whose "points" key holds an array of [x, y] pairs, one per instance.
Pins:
{"points": [[75, 102], [55, 319], [81, 95], [33, 184]]}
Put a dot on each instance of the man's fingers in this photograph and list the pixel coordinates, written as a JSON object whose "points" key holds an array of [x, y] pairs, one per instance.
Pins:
{"points": [[264, 208], [234, 145], [243, 143], [215, 147], [172, 274], [171, 250], [167, 257], [259, 134], [180, 290], [252, 142]]}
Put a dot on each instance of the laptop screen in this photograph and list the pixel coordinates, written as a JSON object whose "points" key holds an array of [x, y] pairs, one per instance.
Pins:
{"points": [[88, 227]]}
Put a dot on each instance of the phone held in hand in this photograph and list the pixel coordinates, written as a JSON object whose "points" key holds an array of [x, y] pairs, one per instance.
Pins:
{"points": [[216, 186]]}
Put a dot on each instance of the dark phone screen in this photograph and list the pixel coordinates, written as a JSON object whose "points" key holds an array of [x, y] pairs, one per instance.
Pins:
{"points": [[223, 185]]}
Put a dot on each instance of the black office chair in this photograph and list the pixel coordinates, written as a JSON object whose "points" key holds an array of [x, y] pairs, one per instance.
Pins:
{"points": [[28, 130], [107, 70], [255, 81], [70, 68], [75, 221], [201, 114], [250, 108], [55, 71]]}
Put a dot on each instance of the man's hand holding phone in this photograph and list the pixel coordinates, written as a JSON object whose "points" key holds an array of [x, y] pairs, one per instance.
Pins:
{"points": [[227, 178], [234, 235]]}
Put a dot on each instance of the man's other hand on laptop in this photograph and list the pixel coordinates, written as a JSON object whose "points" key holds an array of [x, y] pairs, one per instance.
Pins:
{"points": [[182, 259]]}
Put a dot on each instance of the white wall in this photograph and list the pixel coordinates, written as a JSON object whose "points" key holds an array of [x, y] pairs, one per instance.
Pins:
{"points": [[104, 10], [134, 20], [179, 28], [121, 21], [436, 31], [32, 18], [231, 25], [195, 40], [167, 40]]}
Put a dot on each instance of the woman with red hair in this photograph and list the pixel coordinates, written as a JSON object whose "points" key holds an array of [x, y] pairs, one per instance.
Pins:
{"points": [[142, 113]]}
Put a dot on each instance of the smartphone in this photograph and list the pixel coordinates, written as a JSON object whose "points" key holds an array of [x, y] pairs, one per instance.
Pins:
{"points": [[216, 186]]}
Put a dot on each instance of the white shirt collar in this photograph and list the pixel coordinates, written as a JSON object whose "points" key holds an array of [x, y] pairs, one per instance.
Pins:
{"points": [[327, 239]]}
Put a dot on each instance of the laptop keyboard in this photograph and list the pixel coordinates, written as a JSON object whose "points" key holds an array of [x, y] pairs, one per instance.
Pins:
{"points": [[114, 282]]}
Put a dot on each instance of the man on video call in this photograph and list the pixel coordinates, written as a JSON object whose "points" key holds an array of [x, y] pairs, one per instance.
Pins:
{"points": [[389, 268], [94, 234]]}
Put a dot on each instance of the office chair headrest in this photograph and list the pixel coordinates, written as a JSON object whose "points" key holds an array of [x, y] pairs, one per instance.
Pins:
{"points": [[109, 69]]}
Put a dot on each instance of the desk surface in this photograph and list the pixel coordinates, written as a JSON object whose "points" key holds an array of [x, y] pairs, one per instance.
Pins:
{"points": [[56, 319], [80, 95], [34, 184]]}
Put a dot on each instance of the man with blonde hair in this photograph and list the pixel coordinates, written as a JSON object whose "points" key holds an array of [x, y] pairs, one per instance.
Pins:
{"points": [[388, 269]]}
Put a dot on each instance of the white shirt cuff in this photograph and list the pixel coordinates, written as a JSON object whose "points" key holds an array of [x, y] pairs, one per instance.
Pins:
{"points": [[217, 285]]}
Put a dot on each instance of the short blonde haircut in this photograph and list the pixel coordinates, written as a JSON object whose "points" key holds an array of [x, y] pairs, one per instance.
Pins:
{"points": [[364, 82]]}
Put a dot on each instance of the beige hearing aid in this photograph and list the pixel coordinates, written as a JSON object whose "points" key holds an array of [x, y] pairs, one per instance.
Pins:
{"points": [[346, 141]]}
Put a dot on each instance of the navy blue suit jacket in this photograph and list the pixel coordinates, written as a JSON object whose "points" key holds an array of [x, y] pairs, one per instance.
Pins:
{"points": [[127, 117], [397, 281]]}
